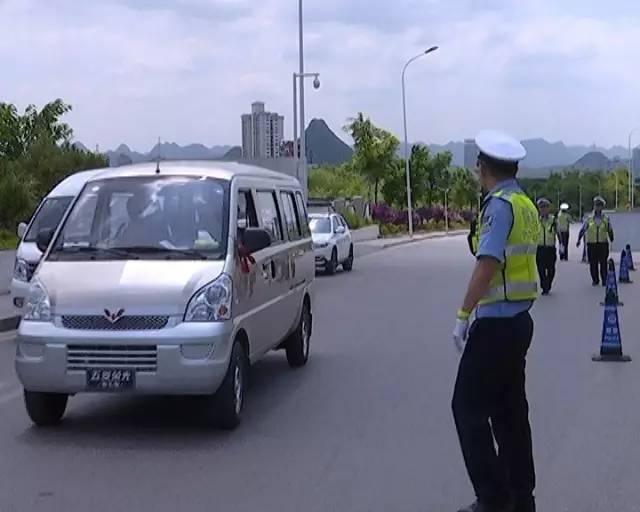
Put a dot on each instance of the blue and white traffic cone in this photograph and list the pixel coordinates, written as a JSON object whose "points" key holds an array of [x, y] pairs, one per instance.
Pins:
{"points": [[611, 340], [611, 287], [629, 258], [624, 268]]}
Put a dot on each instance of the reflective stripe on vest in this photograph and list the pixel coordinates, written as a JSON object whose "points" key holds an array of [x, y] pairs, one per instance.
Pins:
{"points": [[597, 233], [547, 232], [516, 280], [497, 294]]}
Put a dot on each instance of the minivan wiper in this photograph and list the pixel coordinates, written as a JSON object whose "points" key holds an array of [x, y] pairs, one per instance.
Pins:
{"points": [[150, 249], [79, 249]]}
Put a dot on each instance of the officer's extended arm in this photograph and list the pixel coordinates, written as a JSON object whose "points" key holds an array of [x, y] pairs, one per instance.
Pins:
{"points": [[583, 230], [479, 284]]}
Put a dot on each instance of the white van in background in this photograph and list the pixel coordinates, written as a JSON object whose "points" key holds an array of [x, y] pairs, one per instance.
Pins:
{"points": [[48, 215]]}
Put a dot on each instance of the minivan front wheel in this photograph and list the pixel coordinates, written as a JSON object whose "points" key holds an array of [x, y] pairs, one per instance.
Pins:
{"points": [[332, 264], [45, 409], [298, 344], [347, 265], [229, 399]]}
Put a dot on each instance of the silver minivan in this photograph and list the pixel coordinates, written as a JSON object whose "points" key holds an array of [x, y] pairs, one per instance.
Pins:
{"points": [[169, 279], [48, 215]]}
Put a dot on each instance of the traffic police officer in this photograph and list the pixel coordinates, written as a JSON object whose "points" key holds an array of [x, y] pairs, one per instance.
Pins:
{"points": [[489, 400], [564, 224], [597, 232], [546, 253]]}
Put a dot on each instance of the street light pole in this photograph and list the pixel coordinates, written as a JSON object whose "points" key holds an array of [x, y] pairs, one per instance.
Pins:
{"points": [[295, 124], [406, 136], [631, 180], [446, 210], [580, 195], [303, 142]]}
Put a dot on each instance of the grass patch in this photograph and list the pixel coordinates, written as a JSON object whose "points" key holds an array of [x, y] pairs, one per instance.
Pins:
{"points": [[8, 240]]}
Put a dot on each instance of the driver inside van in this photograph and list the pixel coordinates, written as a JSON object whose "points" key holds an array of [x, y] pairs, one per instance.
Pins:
{"points": [[140, 229]]}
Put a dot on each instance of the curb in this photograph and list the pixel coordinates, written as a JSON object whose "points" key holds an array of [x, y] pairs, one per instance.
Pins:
{"points": [[9, 324], [424, 239], [7, 336]]}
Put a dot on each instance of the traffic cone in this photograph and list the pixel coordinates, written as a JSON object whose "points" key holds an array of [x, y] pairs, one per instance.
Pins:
{"points": [[611, 340], [611, 289], [624, 268], [629, 258]]}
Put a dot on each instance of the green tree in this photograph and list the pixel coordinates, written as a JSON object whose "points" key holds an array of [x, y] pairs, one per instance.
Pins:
{"points": [[375, 151], [336, 181], [437, 177], [464, 189], [18, 133], [35, 155]]}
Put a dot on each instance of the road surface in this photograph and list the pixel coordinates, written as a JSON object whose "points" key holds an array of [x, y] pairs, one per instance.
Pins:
{"points": [[366, 426]]}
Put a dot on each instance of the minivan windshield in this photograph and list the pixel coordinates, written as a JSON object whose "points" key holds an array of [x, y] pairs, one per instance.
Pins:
{"points": [[48, 216], [146, 218], [320, 225]]}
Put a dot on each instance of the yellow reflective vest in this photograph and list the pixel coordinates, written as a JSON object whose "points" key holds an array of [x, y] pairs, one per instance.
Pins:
{"points": [[516, 280], [597, 233], [547, 236], [564, 221]]}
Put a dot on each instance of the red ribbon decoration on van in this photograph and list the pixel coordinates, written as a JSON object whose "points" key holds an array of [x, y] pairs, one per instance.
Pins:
{"points": [[246, 259]]}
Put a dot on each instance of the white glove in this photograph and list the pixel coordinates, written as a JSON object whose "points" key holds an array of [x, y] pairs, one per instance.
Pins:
{"points": [[460, 334]]}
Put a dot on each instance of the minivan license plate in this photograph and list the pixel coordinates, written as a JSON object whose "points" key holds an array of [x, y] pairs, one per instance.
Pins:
{"points": [[105, 379]]}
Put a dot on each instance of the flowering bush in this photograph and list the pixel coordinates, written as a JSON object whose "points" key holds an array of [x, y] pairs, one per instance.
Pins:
{"points": [[394, 221]]}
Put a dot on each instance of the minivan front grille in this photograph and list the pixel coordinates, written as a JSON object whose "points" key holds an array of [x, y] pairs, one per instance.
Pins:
{"points": [[140, 358], [126, 323]]}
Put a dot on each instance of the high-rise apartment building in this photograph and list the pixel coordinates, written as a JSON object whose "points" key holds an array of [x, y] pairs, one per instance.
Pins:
{"points": [[470, 154], [262, 133]]}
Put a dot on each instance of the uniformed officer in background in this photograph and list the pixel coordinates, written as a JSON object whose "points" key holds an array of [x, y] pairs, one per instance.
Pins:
{"points": [[546, 253], [564, 225], [597, 232], [489, 401]]}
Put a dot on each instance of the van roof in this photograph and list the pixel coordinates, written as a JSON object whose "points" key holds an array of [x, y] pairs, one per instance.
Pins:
{"points": [[210, 169], [72, 185]]}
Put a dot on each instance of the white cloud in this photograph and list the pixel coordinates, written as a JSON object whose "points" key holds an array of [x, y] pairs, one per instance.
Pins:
{"points": [[187, 69]]}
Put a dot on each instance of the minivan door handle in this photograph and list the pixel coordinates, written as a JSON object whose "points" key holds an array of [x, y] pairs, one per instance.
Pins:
{"points": [[266, 270]]}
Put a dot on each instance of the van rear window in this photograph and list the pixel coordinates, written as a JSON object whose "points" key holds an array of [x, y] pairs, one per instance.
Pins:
{"points": [[48, 216]]}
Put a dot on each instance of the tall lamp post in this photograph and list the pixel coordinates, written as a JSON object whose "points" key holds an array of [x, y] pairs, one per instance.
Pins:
{"points": [[316, 85], [446, 210], [631, 177], [301, 164], [406, 137]]}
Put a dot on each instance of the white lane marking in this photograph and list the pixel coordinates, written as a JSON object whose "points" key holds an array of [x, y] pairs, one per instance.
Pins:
{"points": [[12, 395]]}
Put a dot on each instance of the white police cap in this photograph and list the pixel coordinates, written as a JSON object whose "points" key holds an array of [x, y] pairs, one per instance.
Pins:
{"points": [[543, 201], [564, 207], [500, 146]]}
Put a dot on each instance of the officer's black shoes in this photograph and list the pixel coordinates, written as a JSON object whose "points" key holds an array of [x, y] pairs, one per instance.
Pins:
{"points": [[545, 292], [595, 283], [479, 507]]}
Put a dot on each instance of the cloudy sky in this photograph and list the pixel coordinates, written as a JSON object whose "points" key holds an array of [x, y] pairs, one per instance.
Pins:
{"points": [[186, 69]]}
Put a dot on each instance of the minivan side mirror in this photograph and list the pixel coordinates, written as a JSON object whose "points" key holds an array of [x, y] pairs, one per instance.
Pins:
{"points": [[22, 230], [340, 230], [43, 239], [256, 239]]}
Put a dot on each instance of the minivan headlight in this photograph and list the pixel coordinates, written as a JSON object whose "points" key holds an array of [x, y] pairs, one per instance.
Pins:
{"points": [[38, 306], [21, 270], [211, 303]]}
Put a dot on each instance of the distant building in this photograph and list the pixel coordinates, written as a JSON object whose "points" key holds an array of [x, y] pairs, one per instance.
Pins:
{"points": [[262, 133], [470, 154]]}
